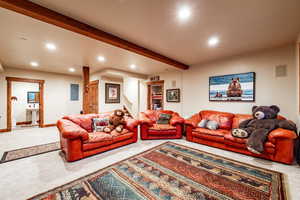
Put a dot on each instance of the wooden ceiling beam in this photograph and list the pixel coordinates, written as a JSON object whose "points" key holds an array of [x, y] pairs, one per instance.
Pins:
{"points": [[41, 13]]}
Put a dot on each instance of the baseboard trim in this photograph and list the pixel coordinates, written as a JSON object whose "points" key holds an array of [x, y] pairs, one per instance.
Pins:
{"points": [[48, 125], [26, 122], [4, 130]]}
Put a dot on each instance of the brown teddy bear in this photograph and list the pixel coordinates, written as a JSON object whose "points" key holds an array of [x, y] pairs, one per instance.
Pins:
{"points": [[257, 129], [116, 122]]}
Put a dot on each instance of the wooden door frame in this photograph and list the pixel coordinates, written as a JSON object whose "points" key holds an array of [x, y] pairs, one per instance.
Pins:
{"points": [[96, 82], [9, 95]]}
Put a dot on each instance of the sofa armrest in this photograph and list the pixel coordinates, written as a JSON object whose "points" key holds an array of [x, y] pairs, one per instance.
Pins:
{"points": [[131, 124], [280, 133], [176, 120], [71, 130], [193, 121], [143, 119]]}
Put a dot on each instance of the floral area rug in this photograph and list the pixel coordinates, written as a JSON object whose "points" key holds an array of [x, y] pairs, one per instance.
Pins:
{"points": [[29, 151], [172, 172]]}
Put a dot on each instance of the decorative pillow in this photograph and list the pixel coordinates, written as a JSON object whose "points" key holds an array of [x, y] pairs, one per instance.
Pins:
{"points": [[212, 125], [164, 118], [203, 123], [99, 124]]}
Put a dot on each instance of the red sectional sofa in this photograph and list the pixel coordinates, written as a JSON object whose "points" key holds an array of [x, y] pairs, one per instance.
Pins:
{"points": [[279, 147], [151, 130], [78, 141]]}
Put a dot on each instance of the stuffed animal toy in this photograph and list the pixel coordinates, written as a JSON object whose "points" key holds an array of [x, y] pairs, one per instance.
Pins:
{"points": [[116, 122], [257, 129]]}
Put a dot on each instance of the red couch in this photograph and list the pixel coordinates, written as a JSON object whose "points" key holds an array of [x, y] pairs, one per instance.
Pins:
{"points": [[151, 130], [279, 147], [78, 141]]}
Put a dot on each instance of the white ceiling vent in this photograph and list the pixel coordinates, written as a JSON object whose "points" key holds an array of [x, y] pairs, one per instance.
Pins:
{"points": [[281, 71]]}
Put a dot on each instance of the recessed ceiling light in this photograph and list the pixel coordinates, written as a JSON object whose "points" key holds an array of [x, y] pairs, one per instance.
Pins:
{"points": [[72, 70], [133, 66], [184, 13], [34, 64], [51, 46], [213, 41], [101, 58]]}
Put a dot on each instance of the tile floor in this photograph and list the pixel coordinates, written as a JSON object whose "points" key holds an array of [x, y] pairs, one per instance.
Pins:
{"points": [[27, 177]]}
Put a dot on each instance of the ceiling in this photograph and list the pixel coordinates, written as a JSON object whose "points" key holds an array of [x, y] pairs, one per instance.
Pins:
{"points": [[23, 40], [242, 26]]}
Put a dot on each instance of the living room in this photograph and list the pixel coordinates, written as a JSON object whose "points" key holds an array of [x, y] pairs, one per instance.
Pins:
{"points": [[149, 99]]}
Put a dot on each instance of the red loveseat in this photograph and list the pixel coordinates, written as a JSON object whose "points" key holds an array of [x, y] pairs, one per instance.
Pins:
{"points": [[151, 130], [78, 141], [279, 147]]}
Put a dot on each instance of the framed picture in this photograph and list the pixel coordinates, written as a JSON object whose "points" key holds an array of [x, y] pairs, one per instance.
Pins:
{"points": [[233, 87], [173, 95], [33, 97], [112, 93]]}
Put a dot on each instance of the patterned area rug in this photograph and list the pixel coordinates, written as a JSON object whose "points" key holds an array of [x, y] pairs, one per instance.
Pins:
{"points": [[29, 151], [171, 171]]}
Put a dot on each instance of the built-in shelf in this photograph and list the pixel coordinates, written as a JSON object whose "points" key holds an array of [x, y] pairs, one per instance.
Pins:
{"points": [[155, 95]]}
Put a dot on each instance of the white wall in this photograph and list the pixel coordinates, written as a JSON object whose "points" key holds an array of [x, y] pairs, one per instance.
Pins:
{"points": [[20, 90], [131, 91], [56, 97], [270, 90], [143, 90]]}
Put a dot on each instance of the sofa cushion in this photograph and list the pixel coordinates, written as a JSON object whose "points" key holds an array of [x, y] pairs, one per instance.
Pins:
{"points": [[115, 133], [212, 125], [241, 143], [164, 118], [162, 127], [224, 119], [85, 121], [213, 135], [98, 124], [120, 137], [229, 137], [239, 118], [99, 137], [202, 123]]}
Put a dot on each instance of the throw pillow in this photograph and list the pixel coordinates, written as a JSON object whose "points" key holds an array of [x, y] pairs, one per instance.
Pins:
{"points": [[203, 123], [212, 125], [99, 124], [164, 118]]}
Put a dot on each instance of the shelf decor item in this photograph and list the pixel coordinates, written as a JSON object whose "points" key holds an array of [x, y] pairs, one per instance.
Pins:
{"points": [[173, 95], [112, 93], [233, 87]]}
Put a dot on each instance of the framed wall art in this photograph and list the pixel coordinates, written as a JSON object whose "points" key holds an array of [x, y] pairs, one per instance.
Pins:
{"points": [[233, 87], [173, 95], [33, 97], [112, 93]]}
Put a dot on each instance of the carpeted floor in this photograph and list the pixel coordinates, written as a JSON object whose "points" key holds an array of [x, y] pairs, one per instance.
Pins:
{"points": [[29, 151], [173, 171]]}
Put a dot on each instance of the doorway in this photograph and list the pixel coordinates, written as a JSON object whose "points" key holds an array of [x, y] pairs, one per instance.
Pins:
{"points": [[93, 97], [34, 99]]}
